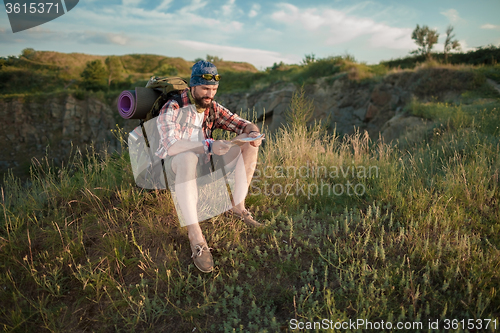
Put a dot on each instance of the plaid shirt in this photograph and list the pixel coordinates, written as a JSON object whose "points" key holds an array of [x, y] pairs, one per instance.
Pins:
{"points": [[171, 130]]}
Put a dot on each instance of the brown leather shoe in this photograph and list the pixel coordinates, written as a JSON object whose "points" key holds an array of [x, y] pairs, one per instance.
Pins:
{"points": [[202, 257], [246, 217]]}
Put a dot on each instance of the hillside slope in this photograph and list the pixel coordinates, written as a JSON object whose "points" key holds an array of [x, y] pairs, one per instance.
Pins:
{"points": [[134, 64]]}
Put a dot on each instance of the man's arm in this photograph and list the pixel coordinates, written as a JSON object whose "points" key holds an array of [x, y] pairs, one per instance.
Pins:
{"points": [[229, 121], [251, 128], [232, 122]]}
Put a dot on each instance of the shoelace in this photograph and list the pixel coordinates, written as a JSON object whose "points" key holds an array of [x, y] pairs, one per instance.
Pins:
{"points": [[200, 250]]}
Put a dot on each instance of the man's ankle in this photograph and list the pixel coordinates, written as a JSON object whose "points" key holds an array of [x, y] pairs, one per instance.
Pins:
{"points": [[196, 241], [195, 235], [238, 210]]}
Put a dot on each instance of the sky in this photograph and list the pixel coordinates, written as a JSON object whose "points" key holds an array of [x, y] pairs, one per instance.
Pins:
{"points": [[259, 32]]}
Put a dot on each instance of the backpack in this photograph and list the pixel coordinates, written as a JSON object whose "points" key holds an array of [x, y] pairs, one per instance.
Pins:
{"points": [[170, 88], [145, 104]]}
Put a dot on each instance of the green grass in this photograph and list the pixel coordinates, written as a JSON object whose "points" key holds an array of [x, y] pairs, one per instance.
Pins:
{"points": [[491, 72], [83, 249]]}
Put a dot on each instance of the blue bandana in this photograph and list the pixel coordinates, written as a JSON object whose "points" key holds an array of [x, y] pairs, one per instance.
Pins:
{"points": [[202, 67]]}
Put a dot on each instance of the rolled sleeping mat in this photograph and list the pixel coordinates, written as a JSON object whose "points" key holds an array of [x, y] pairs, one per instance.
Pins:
{"points": [[126, 103], [135, 104]]}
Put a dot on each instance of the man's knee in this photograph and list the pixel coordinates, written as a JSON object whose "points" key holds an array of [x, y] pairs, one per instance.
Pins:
{"points": [[248, 149], [184, 162]]}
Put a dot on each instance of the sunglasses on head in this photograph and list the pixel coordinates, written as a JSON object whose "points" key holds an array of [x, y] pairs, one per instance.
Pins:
{"points": [[209, 77]]}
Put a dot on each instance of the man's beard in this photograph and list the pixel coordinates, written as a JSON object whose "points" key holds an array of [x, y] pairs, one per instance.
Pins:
{"points": [[203, 101]]}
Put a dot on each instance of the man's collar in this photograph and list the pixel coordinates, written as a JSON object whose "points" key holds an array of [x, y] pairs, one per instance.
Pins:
{"points": [[190, 96]]}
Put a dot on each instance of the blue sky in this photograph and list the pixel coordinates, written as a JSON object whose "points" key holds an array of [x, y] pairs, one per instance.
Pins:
{"points": [[257, 32]]}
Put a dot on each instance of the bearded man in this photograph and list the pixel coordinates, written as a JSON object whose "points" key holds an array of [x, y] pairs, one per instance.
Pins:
{"points": [[185, 126]]}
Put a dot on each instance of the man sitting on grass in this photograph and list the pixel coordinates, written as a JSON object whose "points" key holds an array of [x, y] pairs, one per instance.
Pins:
{"points": [[186, 147]]}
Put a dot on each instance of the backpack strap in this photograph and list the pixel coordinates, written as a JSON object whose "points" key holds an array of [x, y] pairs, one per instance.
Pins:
{"points": [[211, 117]]}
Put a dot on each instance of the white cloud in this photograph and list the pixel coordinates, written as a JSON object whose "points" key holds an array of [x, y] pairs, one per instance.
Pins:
{"points": [[228, 8], [392, 38], [39, 30], [118, 39], [149, 22], [337, 27], [254, 11], [464, 47], [490, 26], [357, 7], [452, 15], [92, 37], [259, 58], [164, 5], [194, 6]]}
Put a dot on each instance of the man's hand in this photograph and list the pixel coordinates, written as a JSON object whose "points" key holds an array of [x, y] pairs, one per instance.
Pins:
{"points": [[221, 147], [258, 142]]}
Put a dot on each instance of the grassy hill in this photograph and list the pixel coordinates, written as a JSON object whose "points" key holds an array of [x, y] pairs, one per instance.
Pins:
{"points": [[144, 64], [401, 235], [47, 72]]}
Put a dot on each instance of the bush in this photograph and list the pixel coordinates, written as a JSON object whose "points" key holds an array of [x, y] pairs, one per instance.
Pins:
{"points": [[319, 68], [28, 52], [300, 110], [94, 76]]}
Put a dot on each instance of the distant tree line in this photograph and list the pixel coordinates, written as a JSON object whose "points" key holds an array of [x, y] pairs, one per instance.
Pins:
{"points": [[486, 55], [426, 38]]}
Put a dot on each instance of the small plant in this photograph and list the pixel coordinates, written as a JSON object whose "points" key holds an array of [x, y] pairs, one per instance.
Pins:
{"points": [[300, 110], [309, 59]]}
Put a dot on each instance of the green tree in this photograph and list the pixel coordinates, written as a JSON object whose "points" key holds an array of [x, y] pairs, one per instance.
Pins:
{"points": [[349, 57], [115, 69], [28, 52], [94, 75], [425, 38], [450, 43], [213, 59], [277, 66], [309, 59]]}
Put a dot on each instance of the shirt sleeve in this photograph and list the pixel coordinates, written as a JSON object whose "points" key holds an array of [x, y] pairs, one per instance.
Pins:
{"points": [[229, 121], [169, 130]]}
